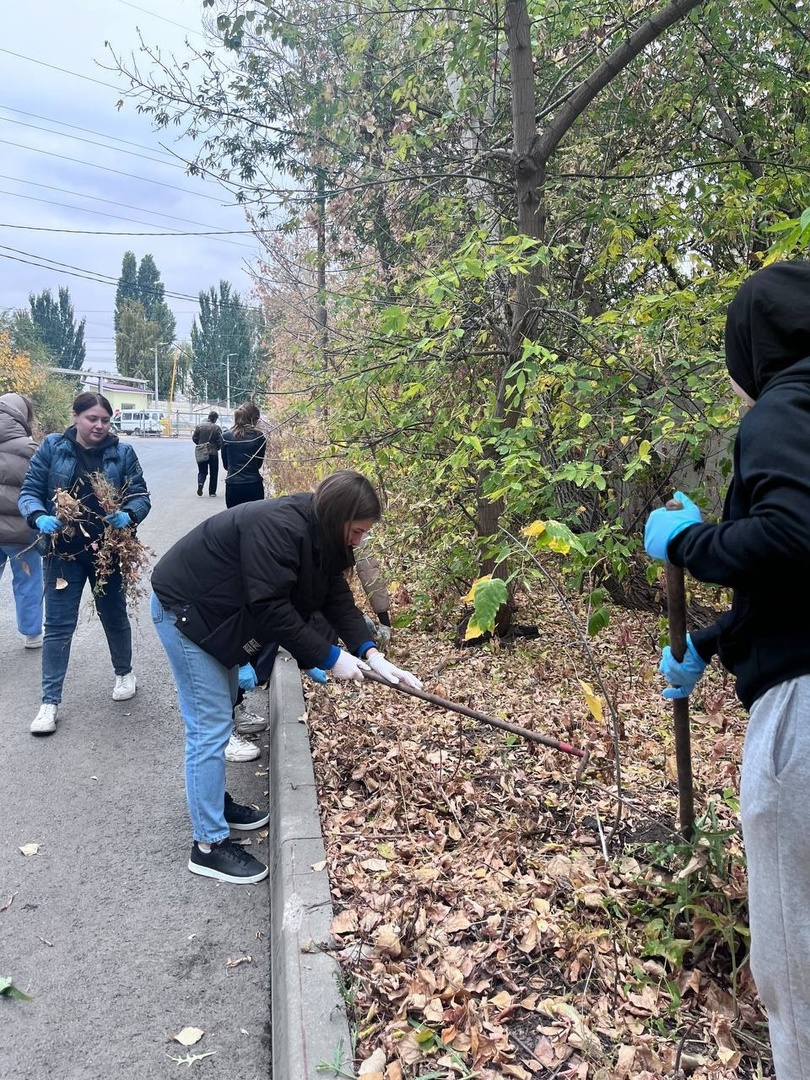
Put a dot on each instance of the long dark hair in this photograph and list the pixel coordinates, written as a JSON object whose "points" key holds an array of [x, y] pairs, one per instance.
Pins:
{"points": [[87, 400], [244, 419], [343, 497]]}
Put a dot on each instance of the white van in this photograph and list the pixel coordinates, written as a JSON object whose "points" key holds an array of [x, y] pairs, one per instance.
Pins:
{"points": [[140, 422]]}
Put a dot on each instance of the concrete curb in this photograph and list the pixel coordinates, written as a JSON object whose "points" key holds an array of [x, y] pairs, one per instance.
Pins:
{"points": [[308, 1017]]}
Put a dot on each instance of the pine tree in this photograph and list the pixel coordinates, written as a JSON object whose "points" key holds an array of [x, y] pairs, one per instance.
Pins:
{"points": [[55, 326], [224, 347], [144, 324], [127, 289]]}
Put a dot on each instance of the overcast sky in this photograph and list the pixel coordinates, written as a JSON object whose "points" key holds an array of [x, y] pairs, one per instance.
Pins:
{"points": [[75, 170]]}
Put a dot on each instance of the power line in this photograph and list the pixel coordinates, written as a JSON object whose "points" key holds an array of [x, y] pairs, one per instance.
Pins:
{"points": [[102, 232], [117, 172], [97, 198], [116, 217], [89, 131], [64, 71], [90, 275], [162, 18], [88, 142], [73, 271]]}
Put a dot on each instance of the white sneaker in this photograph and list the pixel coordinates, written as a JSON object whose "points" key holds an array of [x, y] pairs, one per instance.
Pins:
{"points": [[248, 723], [124, 687], [44, 723], [33, 641], [239, 749]]}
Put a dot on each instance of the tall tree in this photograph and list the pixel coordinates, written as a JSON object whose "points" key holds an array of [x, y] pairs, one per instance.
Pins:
{"points": [[224, 347], [56, 327], [525, 223], [127, 289], [136, 341], [148, 330]]}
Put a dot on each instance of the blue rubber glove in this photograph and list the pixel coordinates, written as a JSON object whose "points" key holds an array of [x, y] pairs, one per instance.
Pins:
{"points": [[47, 523], [664, 525], [119, 519], [682, 676], [318, 675], [247, 677]]}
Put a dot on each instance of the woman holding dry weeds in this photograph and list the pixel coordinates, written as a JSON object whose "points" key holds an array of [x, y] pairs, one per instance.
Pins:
{"points": [[81, 489]]}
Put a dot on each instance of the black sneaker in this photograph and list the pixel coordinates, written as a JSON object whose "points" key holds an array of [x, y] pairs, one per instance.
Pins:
{"points": [[243, 818], [199, 489], [227, 861]]}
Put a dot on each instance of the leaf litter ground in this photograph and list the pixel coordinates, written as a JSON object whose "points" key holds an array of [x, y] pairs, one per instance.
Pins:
{"points": [[496, 918]]}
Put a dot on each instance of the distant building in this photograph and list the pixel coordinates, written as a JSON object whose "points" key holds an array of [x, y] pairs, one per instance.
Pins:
{"points": [[120, 391]]}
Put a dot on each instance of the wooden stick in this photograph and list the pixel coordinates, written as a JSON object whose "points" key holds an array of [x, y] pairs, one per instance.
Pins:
{"points": [[453, 706], [676, 611]]}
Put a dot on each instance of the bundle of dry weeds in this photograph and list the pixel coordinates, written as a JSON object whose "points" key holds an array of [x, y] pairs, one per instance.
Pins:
{"points": [[116, 549]]}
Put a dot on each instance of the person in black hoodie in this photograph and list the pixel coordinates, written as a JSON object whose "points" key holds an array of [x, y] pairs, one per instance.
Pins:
{"points": [[250, 576], [66, 463], [761, 549]]}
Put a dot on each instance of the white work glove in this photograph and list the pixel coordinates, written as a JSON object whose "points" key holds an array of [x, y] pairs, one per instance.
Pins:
{"points": [[378, 663], [348, 667]]}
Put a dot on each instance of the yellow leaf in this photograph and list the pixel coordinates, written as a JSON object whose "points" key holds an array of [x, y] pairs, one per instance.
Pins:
{"points": [[470, 597], [472, 631], [188, 1036], [535, 529], [594, 702]]}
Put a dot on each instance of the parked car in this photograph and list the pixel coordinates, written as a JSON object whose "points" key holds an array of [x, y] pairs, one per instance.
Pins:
{"points": [[140, 422]]}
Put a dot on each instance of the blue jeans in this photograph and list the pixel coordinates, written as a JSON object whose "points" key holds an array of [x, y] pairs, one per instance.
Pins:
{"points": [[206, 691], [26, 580], [62, 614]]}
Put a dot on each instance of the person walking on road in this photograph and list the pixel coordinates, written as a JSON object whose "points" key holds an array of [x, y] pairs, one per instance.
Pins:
{"points": [[239, 581], [207, 439], [64, 473], [761, 550], [17, 539], [243, 448]]}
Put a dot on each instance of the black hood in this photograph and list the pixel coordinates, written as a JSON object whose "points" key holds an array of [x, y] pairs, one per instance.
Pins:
{"points": [[768, 325]]}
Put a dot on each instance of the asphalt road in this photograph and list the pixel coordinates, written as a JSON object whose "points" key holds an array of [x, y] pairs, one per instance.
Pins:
{"points": [[119, 946]]}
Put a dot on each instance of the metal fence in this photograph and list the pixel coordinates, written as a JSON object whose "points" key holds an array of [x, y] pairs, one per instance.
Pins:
{"points": [[181, 422]]}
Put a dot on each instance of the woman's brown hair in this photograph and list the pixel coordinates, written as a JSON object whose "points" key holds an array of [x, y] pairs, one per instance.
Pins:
{"points": [[343, 497]]}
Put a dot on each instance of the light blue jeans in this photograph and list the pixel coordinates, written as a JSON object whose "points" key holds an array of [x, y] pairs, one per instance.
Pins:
{"points": [[26, 580], [206, 691]]}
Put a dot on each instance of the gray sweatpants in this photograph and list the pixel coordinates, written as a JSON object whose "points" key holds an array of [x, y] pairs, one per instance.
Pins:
{"points": [[775, 804]]}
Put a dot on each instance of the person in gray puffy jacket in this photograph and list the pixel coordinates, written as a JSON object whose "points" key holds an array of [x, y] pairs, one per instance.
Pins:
{"points": [[17, 447]]}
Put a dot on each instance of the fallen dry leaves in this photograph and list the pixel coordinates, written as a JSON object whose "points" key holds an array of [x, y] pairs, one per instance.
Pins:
{"points": [[495, 918]]}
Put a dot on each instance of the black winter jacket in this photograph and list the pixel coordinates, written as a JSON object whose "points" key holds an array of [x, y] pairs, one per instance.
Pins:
{"points": [[762, 547], [243, 458], [266, 559]]}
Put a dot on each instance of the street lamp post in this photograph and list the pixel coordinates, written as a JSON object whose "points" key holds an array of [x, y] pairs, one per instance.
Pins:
{"points": [[228, 379]]}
